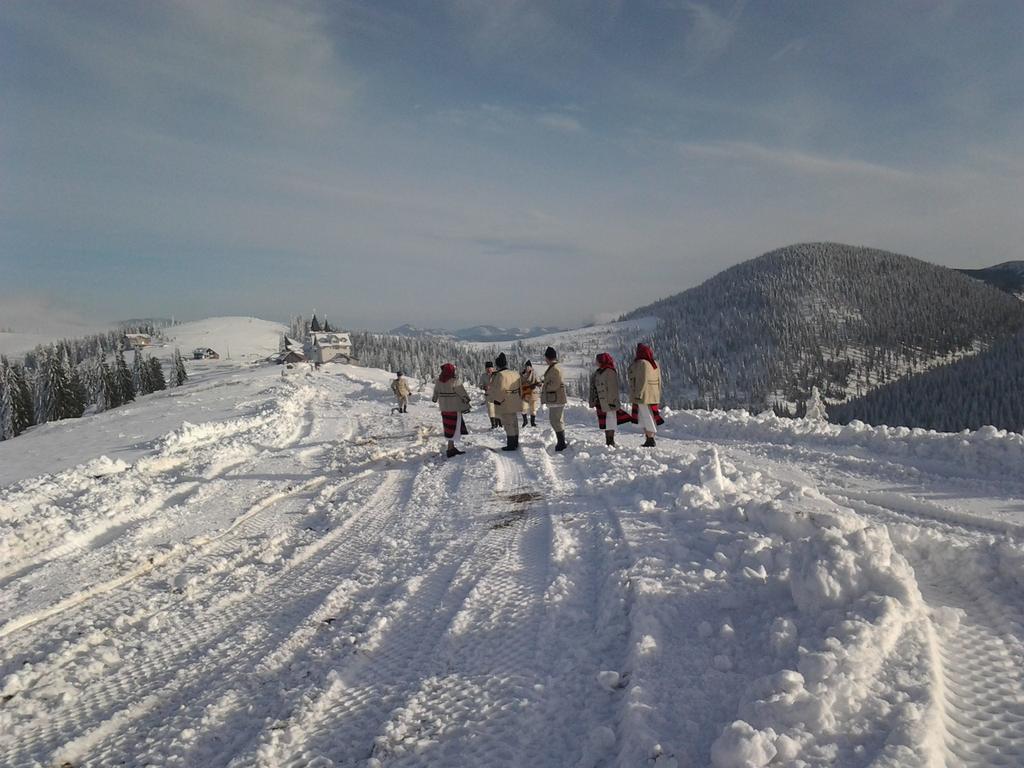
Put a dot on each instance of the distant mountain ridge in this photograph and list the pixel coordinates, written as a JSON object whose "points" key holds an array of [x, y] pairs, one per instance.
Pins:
{"points": [[487, 333], [1008, 276], [844, 318]]}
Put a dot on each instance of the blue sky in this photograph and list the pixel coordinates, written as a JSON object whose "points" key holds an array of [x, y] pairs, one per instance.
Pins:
{"points": [[502, 161]]}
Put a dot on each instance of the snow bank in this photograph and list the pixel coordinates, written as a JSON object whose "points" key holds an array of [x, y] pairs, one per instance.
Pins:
{"points": [[49, 515], [986, 452], [769, 625]]}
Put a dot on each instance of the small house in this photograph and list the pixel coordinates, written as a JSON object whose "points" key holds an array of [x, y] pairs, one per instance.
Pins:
{"points": [[204, 353], [137, 340]]}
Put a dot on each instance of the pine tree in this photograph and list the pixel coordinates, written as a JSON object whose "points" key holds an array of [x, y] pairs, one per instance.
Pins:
{"points": [[53, 395], [314, 324], [24, 416], [123, 378], [327, 326], [157, 382], [6, 401], [180, 375], [106, 394], [141, 374], [76, 401]]}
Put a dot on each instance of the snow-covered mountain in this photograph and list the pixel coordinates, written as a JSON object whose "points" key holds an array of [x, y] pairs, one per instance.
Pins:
{"points": [[844, 318], [415, 332], [262, 570]]}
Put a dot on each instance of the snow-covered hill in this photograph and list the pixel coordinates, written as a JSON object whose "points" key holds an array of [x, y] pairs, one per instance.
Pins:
{"points": [[258, 570], [840, 317], [245, 339]]}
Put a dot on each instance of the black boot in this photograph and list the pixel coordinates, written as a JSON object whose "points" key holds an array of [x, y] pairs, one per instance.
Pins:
{"points": [[524, 419], [494, 423], [453, 451], [609, 437], [561, 445], [533, 420], [648, 443], [512, 443]]}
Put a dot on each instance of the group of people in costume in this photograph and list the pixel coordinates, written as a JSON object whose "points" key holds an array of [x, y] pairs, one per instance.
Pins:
{"points": [[510, 395]]}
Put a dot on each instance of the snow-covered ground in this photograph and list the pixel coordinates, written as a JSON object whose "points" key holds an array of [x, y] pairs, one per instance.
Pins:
{"points": [[255, 570], [246, 339]]}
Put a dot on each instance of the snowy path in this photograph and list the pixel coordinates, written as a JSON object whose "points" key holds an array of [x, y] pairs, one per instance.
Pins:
{"points": [[302, 580]]}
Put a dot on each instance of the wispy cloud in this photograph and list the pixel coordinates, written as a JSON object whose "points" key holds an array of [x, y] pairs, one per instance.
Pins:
{"points": [[559, 122], [795, 161], [790, 49], [710, 32], [219, 61], [499, 118]]}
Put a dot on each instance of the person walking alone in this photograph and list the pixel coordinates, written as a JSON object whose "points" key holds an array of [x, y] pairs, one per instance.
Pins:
{"points": [[553, 396], [400, 386], [453, 400], [531, 395], [604, 396], [506, 394], [645, 393], [484, 384]]}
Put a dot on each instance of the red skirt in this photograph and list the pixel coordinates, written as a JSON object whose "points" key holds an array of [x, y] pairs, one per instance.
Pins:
{"points": [[621, 417], [655, 412], [450, 419]]}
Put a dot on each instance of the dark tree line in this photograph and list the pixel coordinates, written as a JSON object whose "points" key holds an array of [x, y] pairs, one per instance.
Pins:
{"points": [[842, 318], [974, 392], [420, 358]]}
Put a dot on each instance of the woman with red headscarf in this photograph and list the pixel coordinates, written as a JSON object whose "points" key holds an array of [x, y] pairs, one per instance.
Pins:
{"points": [[645, 393], [604, 396], [451, 396]]}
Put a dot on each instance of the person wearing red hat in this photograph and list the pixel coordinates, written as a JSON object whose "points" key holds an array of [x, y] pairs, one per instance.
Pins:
{"points": [[453, 400], [645, 393], [604, 396]]}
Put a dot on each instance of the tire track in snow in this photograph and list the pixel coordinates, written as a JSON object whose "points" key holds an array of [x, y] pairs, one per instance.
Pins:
{"points": [[207, 466], [355, 717], [982, 684], [588, 631], [297, 669], [200, 545], [225, 629], [487, 700]]}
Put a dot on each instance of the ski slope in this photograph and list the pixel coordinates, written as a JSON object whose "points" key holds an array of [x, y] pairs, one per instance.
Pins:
{"points": [[257, 570]]}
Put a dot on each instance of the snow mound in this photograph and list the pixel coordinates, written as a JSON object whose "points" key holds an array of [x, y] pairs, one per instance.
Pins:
{"points": [[103, 466]]}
